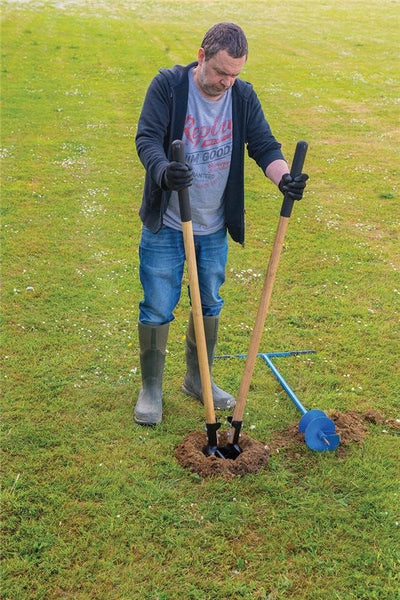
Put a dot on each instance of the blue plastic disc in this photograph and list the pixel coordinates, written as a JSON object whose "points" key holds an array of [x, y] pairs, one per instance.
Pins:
{"points": [[308, 417], [320, 435]]}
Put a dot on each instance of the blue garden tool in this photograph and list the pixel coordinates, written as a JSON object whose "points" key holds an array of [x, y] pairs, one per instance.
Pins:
{"points": [[318, 429]]}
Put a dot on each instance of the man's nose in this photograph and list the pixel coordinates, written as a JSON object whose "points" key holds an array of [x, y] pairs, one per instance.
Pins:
{"points": [[228, 81]]}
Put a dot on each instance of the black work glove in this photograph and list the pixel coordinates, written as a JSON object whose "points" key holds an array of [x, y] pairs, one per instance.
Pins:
{"points": [[178, 176], [294, 187]]}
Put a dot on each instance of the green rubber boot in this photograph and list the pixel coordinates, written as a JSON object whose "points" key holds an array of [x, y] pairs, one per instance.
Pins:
{"points": [[192, 383], [152, 342]]}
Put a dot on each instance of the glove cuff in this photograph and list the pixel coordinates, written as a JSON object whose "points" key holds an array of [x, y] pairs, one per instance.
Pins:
{"points": [[282, 185]]}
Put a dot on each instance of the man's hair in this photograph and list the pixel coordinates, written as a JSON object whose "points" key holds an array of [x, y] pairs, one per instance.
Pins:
{"points": [[225, 36]]}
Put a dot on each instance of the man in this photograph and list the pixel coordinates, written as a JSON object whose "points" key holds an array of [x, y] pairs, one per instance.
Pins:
{"points": [[216, 115]]}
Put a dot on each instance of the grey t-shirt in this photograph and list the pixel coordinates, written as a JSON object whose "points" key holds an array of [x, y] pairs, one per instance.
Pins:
{"points": [[208, 147]]}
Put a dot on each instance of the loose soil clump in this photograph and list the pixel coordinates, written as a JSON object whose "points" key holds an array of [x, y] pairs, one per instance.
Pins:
{"points": [[351, 426]]}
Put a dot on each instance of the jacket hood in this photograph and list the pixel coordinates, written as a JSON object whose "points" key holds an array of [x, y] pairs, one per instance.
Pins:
{"points": [[177, 73]]}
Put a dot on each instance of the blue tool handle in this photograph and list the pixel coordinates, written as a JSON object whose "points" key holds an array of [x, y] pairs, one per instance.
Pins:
{"points": [[178, 154], [284, 384], [297, 168]]}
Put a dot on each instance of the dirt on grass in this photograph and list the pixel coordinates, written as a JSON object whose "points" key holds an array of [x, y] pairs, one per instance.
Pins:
{"points": [[191, 454], [352, 427]]}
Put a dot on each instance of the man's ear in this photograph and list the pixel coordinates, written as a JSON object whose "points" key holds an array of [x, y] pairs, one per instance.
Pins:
{"points": [[201, 57]]}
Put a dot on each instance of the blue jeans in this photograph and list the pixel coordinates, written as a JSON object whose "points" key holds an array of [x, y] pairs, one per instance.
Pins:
{"points": [[162, 258]]}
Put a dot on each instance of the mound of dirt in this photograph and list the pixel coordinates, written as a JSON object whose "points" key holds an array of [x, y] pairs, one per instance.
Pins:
{"points": [[190, 454], [351, 426]]}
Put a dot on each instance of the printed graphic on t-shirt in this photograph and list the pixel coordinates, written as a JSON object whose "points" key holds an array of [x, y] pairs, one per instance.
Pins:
{"points": [[208, 149]]}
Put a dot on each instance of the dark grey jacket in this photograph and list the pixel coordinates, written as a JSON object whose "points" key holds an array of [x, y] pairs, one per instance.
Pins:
{"points": [[162, 121]]}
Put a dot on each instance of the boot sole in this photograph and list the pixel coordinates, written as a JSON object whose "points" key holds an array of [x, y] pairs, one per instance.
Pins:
{"points": [[146, 423]]}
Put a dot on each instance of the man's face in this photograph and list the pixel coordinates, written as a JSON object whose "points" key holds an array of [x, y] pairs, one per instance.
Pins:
{"points": [[218, 74]]}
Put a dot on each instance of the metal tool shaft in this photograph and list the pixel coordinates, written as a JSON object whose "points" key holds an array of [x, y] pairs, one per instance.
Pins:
{"points": [[283, 383]]}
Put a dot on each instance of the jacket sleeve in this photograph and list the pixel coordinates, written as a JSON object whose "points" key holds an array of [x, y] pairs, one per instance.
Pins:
{"points": [[261, 143], [152, 129]]}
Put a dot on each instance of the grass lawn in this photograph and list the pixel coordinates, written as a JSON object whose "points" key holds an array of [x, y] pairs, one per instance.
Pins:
{"points": [[96, 507]]}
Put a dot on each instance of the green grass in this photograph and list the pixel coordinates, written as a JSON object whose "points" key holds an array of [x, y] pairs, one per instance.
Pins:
{"points": [[95, 506]]}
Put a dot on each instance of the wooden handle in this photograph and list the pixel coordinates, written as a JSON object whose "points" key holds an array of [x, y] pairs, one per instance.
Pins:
{"points": [[198, 322], [191, 264], [262, 311], [255, 340]]}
